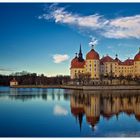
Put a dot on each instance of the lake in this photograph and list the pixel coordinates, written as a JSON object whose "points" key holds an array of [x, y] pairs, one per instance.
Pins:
{"points": [[37, 112]]}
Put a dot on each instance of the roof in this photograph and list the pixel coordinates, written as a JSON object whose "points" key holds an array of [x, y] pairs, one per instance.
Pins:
{"points": [[92, 54], [137, 56], [117, 60], [75, 63], [106, 59], [127, 62], [13, 80]]}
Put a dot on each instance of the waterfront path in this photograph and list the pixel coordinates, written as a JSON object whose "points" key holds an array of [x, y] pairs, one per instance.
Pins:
{"points": [[98, 87]]}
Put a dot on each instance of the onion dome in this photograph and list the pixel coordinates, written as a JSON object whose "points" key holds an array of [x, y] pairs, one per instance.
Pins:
{"points": [[74, 60], [137, 56], [92, 54], [75, 63]]}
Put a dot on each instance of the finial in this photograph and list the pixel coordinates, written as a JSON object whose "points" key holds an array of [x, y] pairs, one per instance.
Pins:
{"points": [[116, 56], [75, 54], [139, 49], [92, 46]]}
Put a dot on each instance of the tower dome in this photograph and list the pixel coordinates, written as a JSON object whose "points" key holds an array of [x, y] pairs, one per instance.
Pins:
{"points": [[137, 56], [74, 60], [92, 54], [75, 63]]}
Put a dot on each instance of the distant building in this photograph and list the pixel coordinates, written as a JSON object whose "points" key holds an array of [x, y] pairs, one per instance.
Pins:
{"points": [[105, 66], [13, 82]]}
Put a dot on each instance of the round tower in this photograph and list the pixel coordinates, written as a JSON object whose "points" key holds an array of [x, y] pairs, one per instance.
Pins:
{"points": [[77, 65], [93, 64], [137, 64]]}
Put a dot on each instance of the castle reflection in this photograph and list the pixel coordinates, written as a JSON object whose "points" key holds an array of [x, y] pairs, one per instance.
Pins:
{"points": [[91, 104], [106, 105]]}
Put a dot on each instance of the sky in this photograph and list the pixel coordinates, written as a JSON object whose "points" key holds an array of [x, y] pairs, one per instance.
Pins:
{"points": [[44, 37]]}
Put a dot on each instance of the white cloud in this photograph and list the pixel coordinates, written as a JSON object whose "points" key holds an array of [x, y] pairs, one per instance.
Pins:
{"points": [[123, 27], [5, 69], [58, 58], [59, 110], [60, 15]]}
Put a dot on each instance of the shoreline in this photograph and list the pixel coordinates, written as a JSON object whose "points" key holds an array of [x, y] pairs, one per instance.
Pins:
{"points": [[98, 87]]}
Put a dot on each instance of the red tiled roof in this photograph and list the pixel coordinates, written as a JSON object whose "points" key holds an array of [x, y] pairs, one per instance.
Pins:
{"points": [[117, 60], [92, 54], [137, 57], [106, 59], [75, 63], [127, 62]]}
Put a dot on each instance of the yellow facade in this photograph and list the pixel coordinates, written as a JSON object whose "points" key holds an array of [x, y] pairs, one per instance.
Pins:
{"points": [[93, 67], [76, 71]]}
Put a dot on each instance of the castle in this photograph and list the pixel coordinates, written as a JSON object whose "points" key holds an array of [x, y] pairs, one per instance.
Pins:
{"points": [[105, 66]]}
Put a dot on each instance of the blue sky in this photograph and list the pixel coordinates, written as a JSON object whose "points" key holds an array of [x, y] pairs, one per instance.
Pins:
{"points": [[43, 38]]}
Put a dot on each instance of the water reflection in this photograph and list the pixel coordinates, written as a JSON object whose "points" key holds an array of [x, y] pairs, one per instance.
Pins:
{"points": [[32, 93], [88, 104], [106, 105]]}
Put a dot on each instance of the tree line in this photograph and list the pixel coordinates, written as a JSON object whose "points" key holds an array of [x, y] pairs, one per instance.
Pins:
{"points": [[26, 78]]}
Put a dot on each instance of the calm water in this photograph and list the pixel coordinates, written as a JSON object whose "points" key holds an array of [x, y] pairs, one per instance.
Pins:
{"points": [[68, 113]]}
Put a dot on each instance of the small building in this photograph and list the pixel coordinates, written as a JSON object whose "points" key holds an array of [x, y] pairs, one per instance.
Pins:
{"points": [[13, 82]]}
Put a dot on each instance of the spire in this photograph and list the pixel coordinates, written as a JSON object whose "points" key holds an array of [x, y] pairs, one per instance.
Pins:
{"points": [[80, 119], [80, 55], [80, 51]]}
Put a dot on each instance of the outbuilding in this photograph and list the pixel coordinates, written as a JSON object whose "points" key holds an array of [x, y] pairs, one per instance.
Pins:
{"points": [[13, 82]]}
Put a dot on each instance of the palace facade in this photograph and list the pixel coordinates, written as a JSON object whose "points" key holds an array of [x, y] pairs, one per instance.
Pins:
{"points": [[96, 67]]}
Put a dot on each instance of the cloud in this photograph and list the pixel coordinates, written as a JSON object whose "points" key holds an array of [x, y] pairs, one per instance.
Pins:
{"points": [[58, 58], [5, 69], [124, 27], [118, 28], [60, 15], [59, 110]]}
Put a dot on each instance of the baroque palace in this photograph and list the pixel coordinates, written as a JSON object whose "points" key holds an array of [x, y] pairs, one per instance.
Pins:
{"points": [[96, 67]]}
